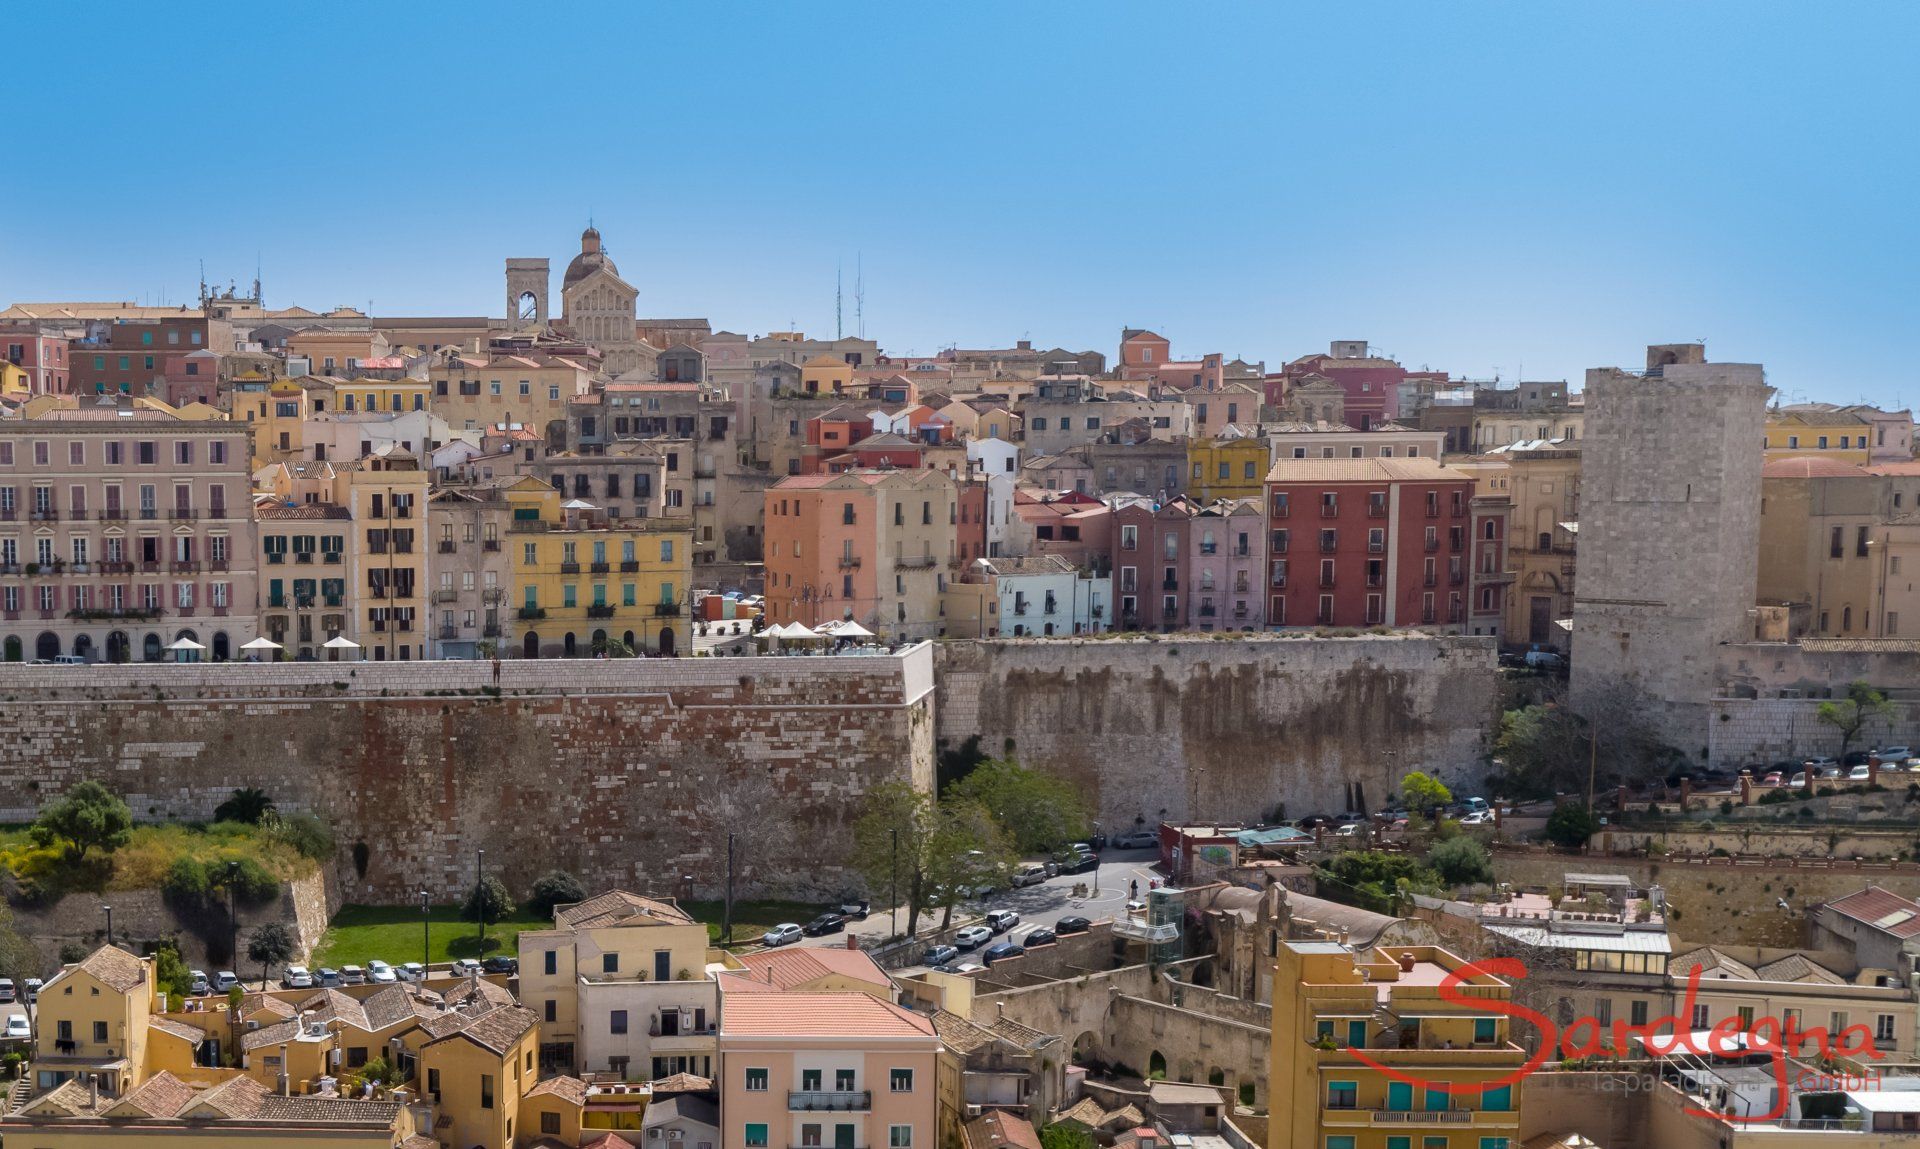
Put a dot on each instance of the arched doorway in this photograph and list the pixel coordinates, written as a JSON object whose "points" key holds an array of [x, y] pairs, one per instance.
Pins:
{"points": [[1156, 1066], [666, 642], [599, 642], [567, 646], [632, 647], [83, 646], [221, 651], [47, 646], [13, 648], [118, 648], [530, 646], [150, 647]]}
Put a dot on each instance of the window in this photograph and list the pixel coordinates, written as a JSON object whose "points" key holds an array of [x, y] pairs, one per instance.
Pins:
{"points": [[1637, 1013], [486, 1091], [617, 1021], [900, 1137], [901, 1080], [756, 1132], [757, 1082], [1498, 1100], [1341, 1141], [550, 1123], [552, 1010], [1343, 1095], [610, 963], [1484, 1030]]}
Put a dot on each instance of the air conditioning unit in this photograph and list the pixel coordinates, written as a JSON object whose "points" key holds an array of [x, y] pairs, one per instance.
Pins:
{"points": [[973, 1110]]}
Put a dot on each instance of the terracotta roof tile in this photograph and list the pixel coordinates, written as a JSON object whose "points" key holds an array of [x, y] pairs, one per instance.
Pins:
{"points": [[1882, 909], [617, 907], [996, 1129], [115, 967], [823, 1015], [569, 1089], [787, 968]]}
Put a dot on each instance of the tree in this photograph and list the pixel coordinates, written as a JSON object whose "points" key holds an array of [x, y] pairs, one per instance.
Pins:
{"points": [[87, 817], [170, 972], [1461, 861], [270, 944], [246, 805], [1423, 792], [746, 806], [934, 852], [1571, 824], [1551, 748], [1062, 1135], [488, 901], [555, 888], [1849, 714], [1039, 812]]}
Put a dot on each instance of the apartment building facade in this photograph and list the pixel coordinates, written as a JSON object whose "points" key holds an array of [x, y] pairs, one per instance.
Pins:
{"points": [[1544, 489], [1367, 542], [122, 530], [874, 546]]}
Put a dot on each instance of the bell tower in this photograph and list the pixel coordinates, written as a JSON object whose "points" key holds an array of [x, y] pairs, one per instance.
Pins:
{"points": [[527, 283]]}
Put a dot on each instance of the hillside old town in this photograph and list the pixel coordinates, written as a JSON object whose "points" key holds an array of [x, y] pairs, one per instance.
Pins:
{"points": [[568, 729]]}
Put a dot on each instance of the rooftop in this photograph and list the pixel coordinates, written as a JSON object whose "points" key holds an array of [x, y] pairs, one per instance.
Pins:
{"points": [[826, 1015]]}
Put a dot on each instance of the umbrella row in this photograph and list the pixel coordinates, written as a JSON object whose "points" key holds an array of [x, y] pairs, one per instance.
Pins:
{"points": [[186, 649], [797, 632]]}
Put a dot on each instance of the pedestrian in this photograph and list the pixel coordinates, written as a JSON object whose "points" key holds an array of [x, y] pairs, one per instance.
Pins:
{"points": [[496, 668], [1133, 888]]}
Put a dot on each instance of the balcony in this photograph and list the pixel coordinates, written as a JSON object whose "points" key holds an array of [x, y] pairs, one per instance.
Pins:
{"points": [[446, 594], [491, 630], [667, 609], [330, 557], [1279, 582], [1430, 546], [915, 562], [1208, 612], [1426, 618], [1430, 579], [45, 515], [1433, 510], [1169, 584], [446, 546], [600, 610], [569, 568], [1378, 548], [179, 514], [1458, 511], [629, 566], [1281, 511], [1454, 613], [1456, 578], [1376, 510], [528, 527], [149, 513], [183, 568], [849, 562], [333, 599], [1374, 618], [1329, 510], [1376, 580], [1019, 608], [1328, 546], [597, 568], [303, 557], [1323, 618], [112, 515], [490, 545], [850, 1101], [1327, 578], [1209, 548]]}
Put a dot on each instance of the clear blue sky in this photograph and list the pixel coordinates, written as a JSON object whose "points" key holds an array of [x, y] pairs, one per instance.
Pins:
{"points": [[1470, 186]]}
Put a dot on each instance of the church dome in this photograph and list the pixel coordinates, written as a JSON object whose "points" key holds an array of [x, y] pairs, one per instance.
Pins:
{"points": [[590, 259]]}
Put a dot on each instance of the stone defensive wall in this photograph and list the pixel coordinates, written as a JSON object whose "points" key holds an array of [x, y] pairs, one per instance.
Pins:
{"points": [[1196, 727], [624, 771]]}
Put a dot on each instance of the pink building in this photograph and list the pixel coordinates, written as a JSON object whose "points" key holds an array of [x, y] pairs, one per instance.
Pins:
{"points": [[1226, 558], [39, 349], [825, 1069], [123, 530]]}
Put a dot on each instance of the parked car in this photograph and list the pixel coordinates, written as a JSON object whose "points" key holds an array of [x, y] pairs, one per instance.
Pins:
{"points": [[784, 934], [1860, 773], [1030, 874], [298, 978], [1820, 763], [1002, 952], [462, 967], [380, 973], [966, 967], [224, 981], [1545, 660], [1774, 778], [1798, 781], [1855, 758], [972, 937], [501, 963], [825, 924], [856, 909], [69, 660], [1136, 840], [352, 975], [1080, 864], [1894, 754], [18, 1028], [940, 955], [197, 983], [1478, 818], [31, 988], [1000, 921], [1834, 772], [1040, 937], [326, 978], [1075, 925], [1314, 822], [8, 994]]}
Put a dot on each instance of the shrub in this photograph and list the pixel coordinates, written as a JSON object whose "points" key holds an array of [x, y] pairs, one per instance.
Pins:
{"points": [[247, 805], [87, 817], [73, 952], [250, 881], [557, 888], [171, 974], [186, 888], [1571, 824], [1461, 862], [307, 835], [489, 901]]}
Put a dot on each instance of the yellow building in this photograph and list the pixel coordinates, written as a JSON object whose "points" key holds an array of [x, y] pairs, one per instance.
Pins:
{"points": [[383, 396], [1368, 1053], [292, 1054], [1543, 487], [1229, 467], [621, 985], [15, 383], [825, 375], [93, 1021], [476, 390], [583, 580], [1837, 435], [1823, 551], [278, 415], [386, 492], [476, 1070]]}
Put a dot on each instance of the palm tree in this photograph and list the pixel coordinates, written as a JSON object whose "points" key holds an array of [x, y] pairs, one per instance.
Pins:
{"points": [[246, 805]]}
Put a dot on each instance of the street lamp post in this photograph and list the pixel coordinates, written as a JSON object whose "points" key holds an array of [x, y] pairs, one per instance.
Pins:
{"points": [[893, 886], [1096, 865], [479, 898], [426, 935], [233, 919], [109, 912]]}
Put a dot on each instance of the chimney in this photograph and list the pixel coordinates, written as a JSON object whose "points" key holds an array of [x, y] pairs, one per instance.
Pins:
{"points": [[284, 1084], [93, 1090], [1406, 963]]}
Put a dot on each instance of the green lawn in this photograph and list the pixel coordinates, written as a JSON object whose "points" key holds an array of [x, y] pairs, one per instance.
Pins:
{"points": [[392, 933]]}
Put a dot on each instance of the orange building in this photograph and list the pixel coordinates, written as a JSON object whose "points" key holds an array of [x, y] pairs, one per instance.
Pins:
{"points": [[873, 546]]}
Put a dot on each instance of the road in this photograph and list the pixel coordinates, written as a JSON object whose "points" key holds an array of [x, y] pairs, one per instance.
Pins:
{"points": [[1040, 905]]}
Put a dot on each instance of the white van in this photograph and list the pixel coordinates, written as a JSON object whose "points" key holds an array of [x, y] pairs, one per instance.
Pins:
{"points": [[69, 660]]}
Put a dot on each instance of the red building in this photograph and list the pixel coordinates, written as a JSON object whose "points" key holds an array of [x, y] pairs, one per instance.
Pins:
{"points": [[1150, 582], [39, 349], [1490, 578], [139, 357], [1372, 384], [1367, 542]]}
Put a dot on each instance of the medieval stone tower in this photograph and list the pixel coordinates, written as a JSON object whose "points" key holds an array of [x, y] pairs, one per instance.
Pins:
{"points": [[528, 281], [1669, 535]]}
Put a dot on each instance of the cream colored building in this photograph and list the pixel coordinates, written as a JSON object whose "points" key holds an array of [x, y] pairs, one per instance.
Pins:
{"points": [[1543, 485], [1823, 552], [599, 307], [478, 390]]}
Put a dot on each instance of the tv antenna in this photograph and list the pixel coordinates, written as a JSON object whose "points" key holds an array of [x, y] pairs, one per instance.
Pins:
{"points": [[859, 295]]}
